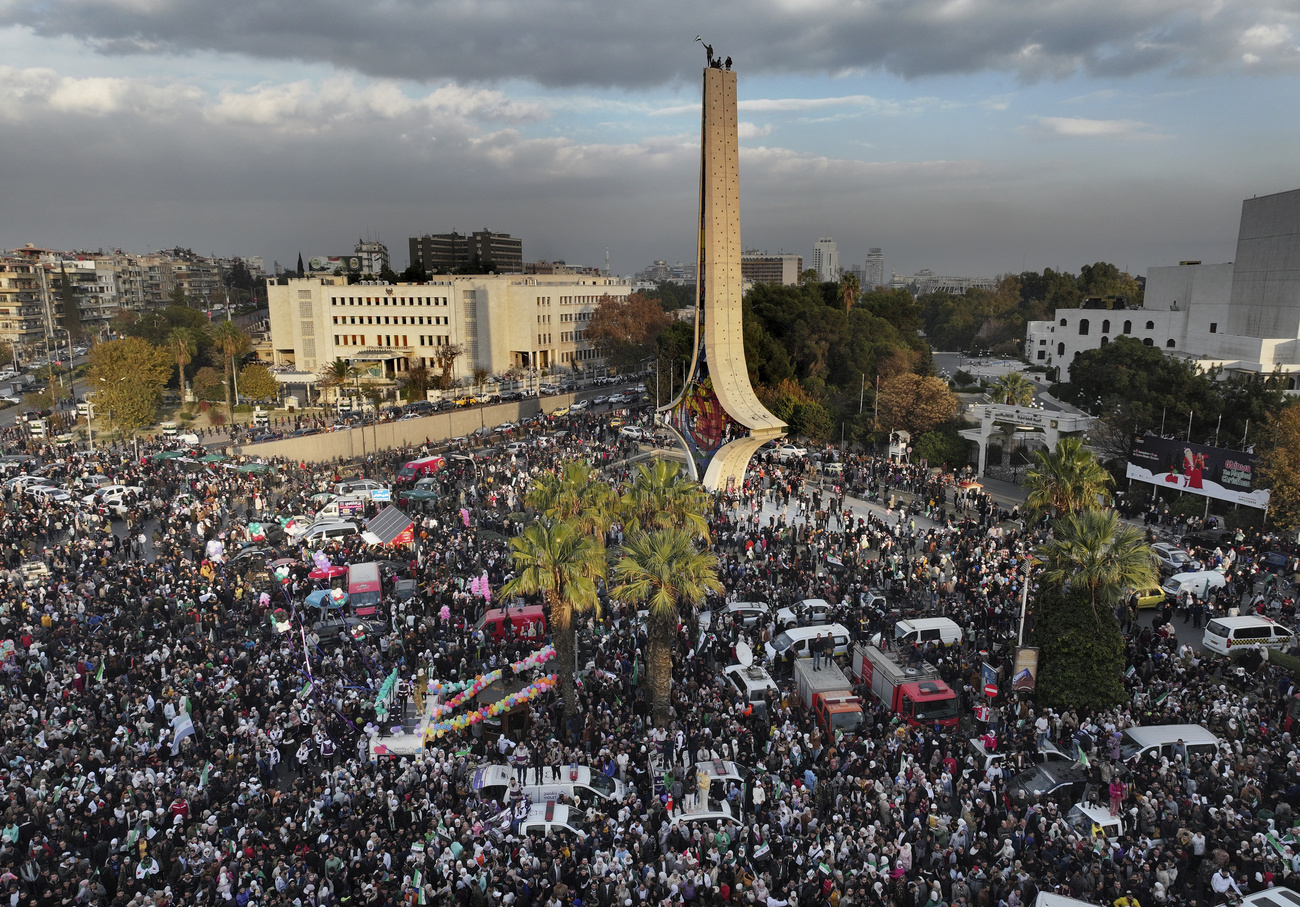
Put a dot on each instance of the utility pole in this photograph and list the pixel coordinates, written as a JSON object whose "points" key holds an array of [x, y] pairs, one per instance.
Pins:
{"points": [[862, 392]]}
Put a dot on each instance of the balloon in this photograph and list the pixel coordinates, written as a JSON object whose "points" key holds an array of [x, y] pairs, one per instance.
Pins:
{"points": [[321, 560], [338, 595]]}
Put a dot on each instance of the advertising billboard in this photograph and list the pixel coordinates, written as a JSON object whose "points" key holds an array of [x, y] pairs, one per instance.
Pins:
{"points": [[1215, 472], [328, 264]]}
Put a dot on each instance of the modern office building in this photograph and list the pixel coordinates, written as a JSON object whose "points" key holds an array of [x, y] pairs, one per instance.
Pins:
{"points": [[441, 253], [826, 259], [1242, 316], [873, 274], [763, 267], [501, 322]]}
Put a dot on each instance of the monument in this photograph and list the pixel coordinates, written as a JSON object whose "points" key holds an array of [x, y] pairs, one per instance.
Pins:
{"points": [[717, 419]]}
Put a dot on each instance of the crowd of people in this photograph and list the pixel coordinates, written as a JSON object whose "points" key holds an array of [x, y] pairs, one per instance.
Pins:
{"points": [[162, 742]]}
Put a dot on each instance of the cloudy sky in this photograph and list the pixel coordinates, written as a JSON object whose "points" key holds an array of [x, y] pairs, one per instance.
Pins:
{"points": [[965, 136]]}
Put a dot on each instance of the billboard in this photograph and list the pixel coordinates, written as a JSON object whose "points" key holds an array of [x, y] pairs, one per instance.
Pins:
{"points": [[1025, 676], [1215, 472], [327, 264]]}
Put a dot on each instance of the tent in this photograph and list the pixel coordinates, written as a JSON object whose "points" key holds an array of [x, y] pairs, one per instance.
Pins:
{"points": [[321, 599], [390, 527], [213, 458], [257, 468]]}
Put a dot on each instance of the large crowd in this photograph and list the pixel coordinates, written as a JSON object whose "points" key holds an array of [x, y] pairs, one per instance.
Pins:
{"points": [[161, 743]]}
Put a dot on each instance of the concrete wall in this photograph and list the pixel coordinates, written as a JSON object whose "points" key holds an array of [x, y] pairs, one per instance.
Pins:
{"points": [[358, 442], [1266, 279]]}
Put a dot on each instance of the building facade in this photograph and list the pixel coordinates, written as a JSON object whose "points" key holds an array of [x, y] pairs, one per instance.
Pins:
{"points": [[1241, 316], [826, 259], [873, 273], [500, 321], [762, 267], [440, 253]]}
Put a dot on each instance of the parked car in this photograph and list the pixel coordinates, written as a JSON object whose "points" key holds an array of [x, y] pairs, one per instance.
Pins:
{"points": [[1171, 558], [789, 451]]}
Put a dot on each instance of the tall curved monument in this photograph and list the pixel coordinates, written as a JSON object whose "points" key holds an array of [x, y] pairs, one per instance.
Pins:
{"points": [[717, 419]]}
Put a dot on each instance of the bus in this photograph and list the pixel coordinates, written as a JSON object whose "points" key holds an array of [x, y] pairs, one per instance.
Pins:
{"points": [[365, 591]]}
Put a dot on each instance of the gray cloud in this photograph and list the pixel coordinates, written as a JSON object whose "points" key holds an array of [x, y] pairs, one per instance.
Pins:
{"points": [[591, 42]]}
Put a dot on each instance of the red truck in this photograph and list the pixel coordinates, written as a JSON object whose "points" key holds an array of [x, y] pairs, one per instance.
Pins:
{"points": [[829, 695], [914, 692]]}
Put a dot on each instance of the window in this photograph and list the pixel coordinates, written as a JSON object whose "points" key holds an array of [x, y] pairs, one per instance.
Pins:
{"points": [[1105, 326], [1151, 325], [1042, 354], [1105, 340], [1169, 344], [1128, 327], [1146, 341], [1083, 327], [1214, 327], [1062, 322]]}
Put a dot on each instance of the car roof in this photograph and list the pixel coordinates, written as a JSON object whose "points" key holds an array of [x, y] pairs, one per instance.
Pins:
{"points": [[1149, 735]]}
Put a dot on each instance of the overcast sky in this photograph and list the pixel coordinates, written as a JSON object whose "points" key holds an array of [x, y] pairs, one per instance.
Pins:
{"points": [[971, 137]]}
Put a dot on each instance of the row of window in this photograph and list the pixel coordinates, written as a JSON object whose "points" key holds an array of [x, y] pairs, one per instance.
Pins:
{"points": [[1128, 327], [579, 355], [570, 336], [575, 316], [391, 340], [392, 319], [388, 300]]}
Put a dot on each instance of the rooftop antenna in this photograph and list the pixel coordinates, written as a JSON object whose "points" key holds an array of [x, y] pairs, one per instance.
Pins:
{"points": [[607, 261]]}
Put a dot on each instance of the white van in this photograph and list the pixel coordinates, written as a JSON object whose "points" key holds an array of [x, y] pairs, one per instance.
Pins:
{"points": [[340, 507], [921, 630], [1276, 896], [582, 784], [800, 638], [323, 531], [1160, 739], [1226, 634], [1198, 582]]}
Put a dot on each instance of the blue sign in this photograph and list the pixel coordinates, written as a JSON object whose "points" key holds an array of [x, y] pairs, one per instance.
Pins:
{"points": [[988, 674], [381, 494]]}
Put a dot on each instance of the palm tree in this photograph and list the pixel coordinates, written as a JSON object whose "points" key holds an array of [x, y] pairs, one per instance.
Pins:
{"points": [[664, 570], [850, 287], [574, 495], [337, 373], [663, 497], [561, 564], [1093, 550], [1013, 389], [1066, 480], [182, 345], [230, 341]]}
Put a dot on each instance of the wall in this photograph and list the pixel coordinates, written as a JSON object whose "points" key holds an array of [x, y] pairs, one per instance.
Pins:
{"points": [[358, 442]]}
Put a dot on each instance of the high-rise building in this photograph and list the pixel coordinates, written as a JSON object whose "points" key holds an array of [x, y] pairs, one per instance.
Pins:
{"points": [[440, 253], [761, 267], [874, 273], [826, 259]]}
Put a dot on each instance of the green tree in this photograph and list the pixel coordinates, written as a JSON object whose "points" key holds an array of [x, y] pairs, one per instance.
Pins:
{"points": [[850, 290], [415, 273], [415, 382], [809, 276], [556, 561], [183, 348], [1065, 480], [209, 385], [336, 375], [663, 570], [71, 319], [230, 341], [129, 376], [1279, 466], [1091, 550], [661, 496], [1080, 655], [256, 382], [575, 495], [1012, 389]]}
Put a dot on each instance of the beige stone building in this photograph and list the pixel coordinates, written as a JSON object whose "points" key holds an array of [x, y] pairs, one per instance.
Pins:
{"points": [[502, 322]]}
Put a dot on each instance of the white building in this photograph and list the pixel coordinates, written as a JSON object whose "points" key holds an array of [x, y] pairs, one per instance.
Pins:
{"points": [[873, 275], [826, 259], [1242, 316], [502, 321]]}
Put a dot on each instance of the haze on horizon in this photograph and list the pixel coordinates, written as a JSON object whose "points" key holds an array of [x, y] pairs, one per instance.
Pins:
{"points": [[972, 137]]}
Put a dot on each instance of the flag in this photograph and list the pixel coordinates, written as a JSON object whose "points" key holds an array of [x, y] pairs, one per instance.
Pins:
{"points": [[99, 674], [417, 882], [1083, 757], [182, 727], [203, 775]]}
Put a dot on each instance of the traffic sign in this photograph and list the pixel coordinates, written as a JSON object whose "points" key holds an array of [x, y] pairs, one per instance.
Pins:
{"points": [[991, 690]]}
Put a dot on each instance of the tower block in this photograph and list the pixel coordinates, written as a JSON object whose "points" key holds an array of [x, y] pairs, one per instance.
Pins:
{"points": [[717, 419]]}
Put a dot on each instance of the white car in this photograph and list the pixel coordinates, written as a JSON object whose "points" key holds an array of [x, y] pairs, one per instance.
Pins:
{"points": [[114, 497], [579, 406], [49, 494], [552, 818], [811, 612], [635, 432], [786, 451], [18, 483], [359, 488]]}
